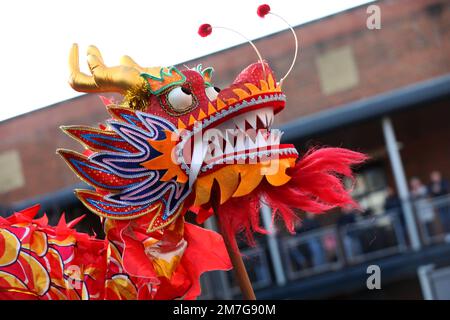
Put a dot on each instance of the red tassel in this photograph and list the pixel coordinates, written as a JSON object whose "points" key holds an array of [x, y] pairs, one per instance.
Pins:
{"points": [[316, 186], [241, 215]]}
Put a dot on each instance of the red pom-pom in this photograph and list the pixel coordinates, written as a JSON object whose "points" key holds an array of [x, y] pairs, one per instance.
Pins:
{"points": [[263, 10], [205, 30]]}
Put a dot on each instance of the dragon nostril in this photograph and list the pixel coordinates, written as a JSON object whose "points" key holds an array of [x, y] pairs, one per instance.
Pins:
{"points": [[217, 89], [186, 90]]}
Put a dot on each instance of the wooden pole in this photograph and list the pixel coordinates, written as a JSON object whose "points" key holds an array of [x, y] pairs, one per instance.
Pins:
{"points": [[239, 268], [233, 251]]}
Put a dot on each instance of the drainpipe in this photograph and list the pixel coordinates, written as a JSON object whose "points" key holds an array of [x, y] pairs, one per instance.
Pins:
{"points": [[272, 243], [400, 181]]}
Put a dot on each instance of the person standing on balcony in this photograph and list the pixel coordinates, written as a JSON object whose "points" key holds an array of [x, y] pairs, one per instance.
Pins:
{"points": [[393, 208], [422, 205], [439, 187], [309, 253], [392, 201]]}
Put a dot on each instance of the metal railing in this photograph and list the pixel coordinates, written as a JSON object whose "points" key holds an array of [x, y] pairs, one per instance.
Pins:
{"points": [[333, 248], [325, 249], [433, 218], [312, 252], [373, 238], [257, 265]]}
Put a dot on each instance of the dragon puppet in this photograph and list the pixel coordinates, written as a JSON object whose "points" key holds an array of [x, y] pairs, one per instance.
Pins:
{"points": [[175, 143]]}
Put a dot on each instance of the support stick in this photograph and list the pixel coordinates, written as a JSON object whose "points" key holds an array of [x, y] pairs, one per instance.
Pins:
{"points": [[239, 269], [233, 251]]}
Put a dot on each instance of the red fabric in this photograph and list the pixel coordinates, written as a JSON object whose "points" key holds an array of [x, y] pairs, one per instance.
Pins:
{"points": [[263, 10], [46, 257], [67, 248], [316, 186], [202, 213], [205, 251], [241, 216]]}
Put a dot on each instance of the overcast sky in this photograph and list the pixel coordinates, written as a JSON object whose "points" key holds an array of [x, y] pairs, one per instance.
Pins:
{"points": [[36, 37]]}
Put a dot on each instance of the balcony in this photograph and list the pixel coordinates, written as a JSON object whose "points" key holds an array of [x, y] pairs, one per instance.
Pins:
{"points": [[332, 253]]}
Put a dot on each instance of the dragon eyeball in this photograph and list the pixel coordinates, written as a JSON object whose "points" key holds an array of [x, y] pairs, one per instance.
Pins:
{"points": [[212, 93], [180, 99]]}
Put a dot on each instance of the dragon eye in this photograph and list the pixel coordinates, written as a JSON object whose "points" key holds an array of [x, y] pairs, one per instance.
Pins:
{"points": [[212, 92], [180, 99]]}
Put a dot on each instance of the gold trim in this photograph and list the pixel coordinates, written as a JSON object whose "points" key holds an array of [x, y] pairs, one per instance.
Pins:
{"points": [[59, 151], [20, 291], [80, 127], [169, 221]]}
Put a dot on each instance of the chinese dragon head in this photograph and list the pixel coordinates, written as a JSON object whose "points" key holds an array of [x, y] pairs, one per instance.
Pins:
{"points": [[173, 136]]}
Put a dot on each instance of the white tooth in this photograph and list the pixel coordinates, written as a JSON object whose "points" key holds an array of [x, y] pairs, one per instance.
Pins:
{"points": [[240, 123], [214, 140], [260, 141], [217, 147], [250, 143], [240, 142], [251, 119], [229, 137], [266, 119], [269, 118], [198, 154], [209, 153], [263, 118]]}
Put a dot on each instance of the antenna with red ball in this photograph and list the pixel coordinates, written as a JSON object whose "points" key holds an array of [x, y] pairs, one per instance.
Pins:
{"points": [[264, 10], [240, 271], [206, 29], [236, 259]]}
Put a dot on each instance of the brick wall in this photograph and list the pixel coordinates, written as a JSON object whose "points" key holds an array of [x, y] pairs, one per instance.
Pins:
{"points": [[411, 46], [36, 136]]}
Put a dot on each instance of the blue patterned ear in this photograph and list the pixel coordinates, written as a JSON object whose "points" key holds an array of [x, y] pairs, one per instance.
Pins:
{"points": [[132, 188]]}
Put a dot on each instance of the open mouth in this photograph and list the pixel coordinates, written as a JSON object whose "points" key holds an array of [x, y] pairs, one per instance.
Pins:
{"points": [[245, 139], [240, 133]]}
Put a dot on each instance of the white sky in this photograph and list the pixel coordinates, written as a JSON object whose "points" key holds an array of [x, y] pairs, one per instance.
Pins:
{"points": [[35, 37]]}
